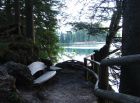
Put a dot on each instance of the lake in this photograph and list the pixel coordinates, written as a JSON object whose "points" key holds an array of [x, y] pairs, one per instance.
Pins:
{"points": [[82, 48], [79, 51]]}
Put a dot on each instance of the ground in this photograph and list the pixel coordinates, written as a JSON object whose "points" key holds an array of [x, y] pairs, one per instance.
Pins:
{"points": [[68, 86]]}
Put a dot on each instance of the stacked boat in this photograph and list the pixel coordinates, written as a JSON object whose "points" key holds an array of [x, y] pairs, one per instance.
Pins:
{"points": [[41, 72]]}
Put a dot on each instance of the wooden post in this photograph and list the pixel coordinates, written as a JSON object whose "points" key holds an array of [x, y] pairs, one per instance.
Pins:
{"points": [[92, 64], [96, 66], [103, 80], [86, 73], [17, 16]]}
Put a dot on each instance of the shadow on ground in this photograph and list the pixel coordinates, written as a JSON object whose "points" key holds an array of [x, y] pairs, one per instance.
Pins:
{"points": [[68, 86]]}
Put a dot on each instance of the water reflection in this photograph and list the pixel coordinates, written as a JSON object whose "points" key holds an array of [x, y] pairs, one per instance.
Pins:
{"points": [[83, 49], [79, 51]]}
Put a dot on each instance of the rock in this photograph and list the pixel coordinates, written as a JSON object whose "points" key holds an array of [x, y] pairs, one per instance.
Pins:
{"points": [[7, 82], [20, 72], [29, 98], [8, 92], [71, 64]]}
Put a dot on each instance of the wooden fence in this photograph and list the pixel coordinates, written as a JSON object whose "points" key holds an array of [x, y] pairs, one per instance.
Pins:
{"points": [[100, 72]]}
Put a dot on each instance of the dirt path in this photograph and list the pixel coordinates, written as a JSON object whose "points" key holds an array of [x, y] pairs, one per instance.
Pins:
{"points": [[69, 86]]}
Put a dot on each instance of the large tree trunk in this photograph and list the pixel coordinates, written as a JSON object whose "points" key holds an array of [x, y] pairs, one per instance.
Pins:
{"points": [[8, 11], [17, 16], [130, 74], [29, 19]]}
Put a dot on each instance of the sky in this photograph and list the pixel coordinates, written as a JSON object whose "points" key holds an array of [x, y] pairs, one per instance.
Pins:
{"points": [[76, 11]]}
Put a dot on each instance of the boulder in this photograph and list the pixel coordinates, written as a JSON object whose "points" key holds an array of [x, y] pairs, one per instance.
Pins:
{"points": [[20, 72], [8, 91], [30, 98]]}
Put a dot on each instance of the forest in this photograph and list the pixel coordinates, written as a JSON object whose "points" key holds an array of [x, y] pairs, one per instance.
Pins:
{"points": [[30, 26], [81, 36]]}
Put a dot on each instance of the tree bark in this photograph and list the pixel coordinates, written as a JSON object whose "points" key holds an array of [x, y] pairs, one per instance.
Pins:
{"points": [[17, 16], [8, 10], [130, 75], [29, 19]]}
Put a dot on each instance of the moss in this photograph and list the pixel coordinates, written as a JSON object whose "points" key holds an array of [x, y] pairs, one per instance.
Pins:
{"points": [[14, 97], [3, 45]]}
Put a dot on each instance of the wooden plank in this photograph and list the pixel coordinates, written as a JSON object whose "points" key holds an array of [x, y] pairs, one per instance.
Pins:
{"points": [[124, 60]]}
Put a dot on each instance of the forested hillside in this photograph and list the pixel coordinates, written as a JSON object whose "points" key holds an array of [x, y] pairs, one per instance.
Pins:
{"points": [[81, 36]]}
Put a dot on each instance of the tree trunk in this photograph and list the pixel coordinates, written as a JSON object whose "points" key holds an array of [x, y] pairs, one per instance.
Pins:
{"points": [[113, 28], [0, 3], [130, 75], [29, 19], [8, 11], [104, 51], [17, 16]]}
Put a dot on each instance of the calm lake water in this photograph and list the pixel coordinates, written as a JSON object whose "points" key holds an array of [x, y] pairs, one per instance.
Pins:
{"points": [[79, 51], [83, 49]]}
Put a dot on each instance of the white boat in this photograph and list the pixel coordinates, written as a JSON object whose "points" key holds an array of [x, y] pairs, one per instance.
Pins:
{"points": [[45, 77], [39, 66], [36, 66]]}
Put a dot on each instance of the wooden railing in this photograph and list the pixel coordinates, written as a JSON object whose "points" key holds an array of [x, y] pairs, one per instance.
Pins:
{"points": [[100, 72]]}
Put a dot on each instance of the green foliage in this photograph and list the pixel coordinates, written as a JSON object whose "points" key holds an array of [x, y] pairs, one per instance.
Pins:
{"points": [[84, 32], [92, 29], [14, 97], [48, 44], [19, 50], [81, 36], [6, 15], [45, 23]]}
